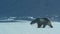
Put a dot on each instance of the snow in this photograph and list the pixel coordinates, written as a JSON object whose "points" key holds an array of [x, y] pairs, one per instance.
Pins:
{"points": [[24, 27]]}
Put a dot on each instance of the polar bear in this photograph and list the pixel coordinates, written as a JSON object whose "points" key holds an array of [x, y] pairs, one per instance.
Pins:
{"points": [[42, 21]]}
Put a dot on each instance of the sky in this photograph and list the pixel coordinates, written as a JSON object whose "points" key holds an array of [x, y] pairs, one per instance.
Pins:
{"points": [[29, 7]]}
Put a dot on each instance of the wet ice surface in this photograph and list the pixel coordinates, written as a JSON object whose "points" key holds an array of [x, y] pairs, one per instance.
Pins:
{"points": [[24, 27]]}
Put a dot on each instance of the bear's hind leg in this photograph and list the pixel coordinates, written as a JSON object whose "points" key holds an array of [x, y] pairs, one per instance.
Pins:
{"points": [[39, 25], [44, 25]]}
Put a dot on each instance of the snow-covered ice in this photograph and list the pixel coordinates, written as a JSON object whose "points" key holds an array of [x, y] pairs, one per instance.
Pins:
{"points": [[24, 27]]}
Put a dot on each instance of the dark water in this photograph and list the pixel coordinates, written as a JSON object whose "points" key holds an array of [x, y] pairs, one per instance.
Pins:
{"points": [[34, 8], [29, 7]]}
